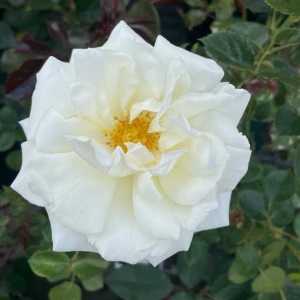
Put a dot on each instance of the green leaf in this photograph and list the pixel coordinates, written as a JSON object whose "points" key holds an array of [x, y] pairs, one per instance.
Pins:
{"points": [[279, 185], [51, 265], [7, 37], [90, 271], [297, 162], [245, 266], [253, 204], [283, 213], [232, 292], [231, 48], [8, 118], [7, 140], [42, 5], [292, 291], [282, 71], [257, 6], [256, 32], [269, 281], [193, 266], [13, 160], [65, 291], [291, 7], [297, 225], [183, 296], [273, 252], [139, 282]]}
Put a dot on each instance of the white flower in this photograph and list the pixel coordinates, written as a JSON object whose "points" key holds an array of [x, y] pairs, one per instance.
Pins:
{"points": [[132, 148]]}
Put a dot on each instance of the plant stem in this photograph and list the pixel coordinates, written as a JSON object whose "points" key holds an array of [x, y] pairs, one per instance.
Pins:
{"points": [[279, 48], [282, 295]]}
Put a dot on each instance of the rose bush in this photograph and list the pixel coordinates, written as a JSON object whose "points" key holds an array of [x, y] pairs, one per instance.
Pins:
{"points": [[132, 148]]}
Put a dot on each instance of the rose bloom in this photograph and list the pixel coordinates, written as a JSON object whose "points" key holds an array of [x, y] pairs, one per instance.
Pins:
{"points": [[132, 148]]}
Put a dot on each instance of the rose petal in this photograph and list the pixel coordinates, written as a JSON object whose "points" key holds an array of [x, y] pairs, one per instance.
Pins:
{"points": [[122, 241], [51, 136], [151, 209], [218, 217], [65, 239], [205, 73]]}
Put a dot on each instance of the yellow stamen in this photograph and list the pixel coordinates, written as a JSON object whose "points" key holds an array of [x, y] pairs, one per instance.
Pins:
{"points": [[135, 131]]}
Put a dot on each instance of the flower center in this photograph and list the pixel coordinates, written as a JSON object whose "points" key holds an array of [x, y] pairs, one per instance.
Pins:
{"points": [[136, 131]]}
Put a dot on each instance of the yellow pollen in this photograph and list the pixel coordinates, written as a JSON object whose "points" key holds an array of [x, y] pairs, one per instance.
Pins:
{"points": [[136, 131]]}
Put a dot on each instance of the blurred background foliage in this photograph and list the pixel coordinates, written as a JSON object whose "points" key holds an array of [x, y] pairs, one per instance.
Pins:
{"points": [[258, 257]]}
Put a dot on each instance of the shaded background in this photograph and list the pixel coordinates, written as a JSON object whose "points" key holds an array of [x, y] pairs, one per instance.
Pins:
{"points": [[258, 256]]}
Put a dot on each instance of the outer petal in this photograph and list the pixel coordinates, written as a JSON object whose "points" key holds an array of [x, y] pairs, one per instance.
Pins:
{"points": [[148, 66], [28, 184], [190, 216], [205, 73], [197, 172], [65, 239], [218, 217], [25, 124], [52, 91], [113, 78], [224, 99], [122, 35], [236, 168], [234, 101], [122, 239], [221, 126], [52, 134], [152, 210], [61, 181], [166, 248], [237, 147]]}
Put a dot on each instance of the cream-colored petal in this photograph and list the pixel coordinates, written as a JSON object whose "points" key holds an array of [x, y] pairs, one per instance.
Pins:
{"points": [[220, 126], [52, 134], [75, 193], [52, 91], [121, 239], [166, 163], [28, 183], [236, 168], [148, 66], [25, 124], [224, 99], [190, 216], [113, 163], [150, 105], [112, 75], [64, 239], [138, 157], [197, 172], [152, 211], [204, 72], [219, 217], [166, 248], [122, 35]]}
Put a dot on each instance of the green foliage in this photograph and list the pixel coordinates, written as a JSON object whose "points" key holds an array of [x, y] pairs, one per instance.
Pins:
{"points": [[66, 290], [245, 266], [231, 48], [286, 6], [193, 266], [51, 265], [90, 270], [258, 257], [269, 281], [139, 283]]}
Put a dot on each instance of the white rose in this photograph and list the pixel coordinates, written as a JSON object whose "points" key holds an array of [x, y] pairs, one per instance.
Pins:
{"points": [[132, 148]]}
